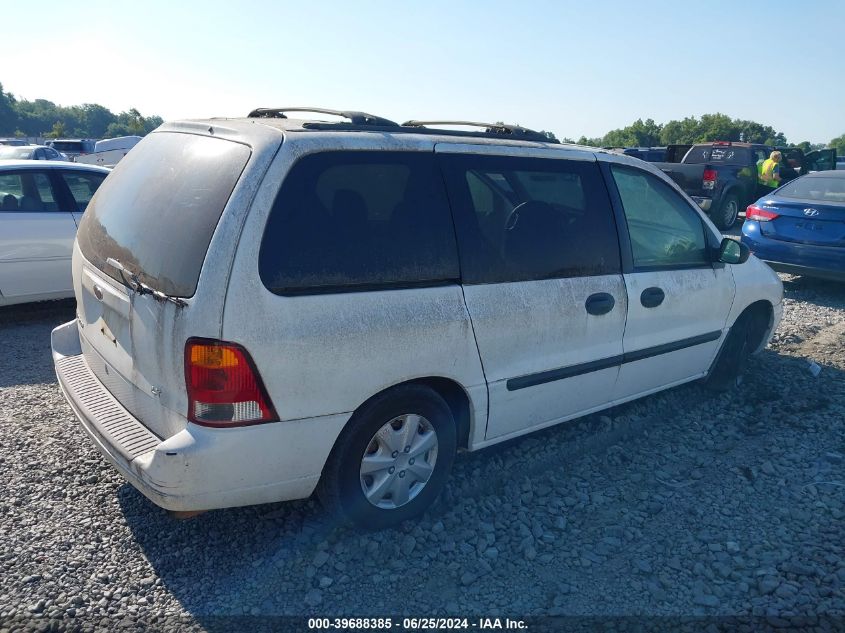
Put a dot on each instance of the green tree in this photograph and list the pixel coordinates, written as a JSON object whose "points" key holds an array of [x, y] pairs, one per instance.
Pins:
{"points": [[8, 115], [39, 117], [592, 142], [717, 127], [132, 123], [838, 143], [58, 130], [680, 132], [152, 122], [136, 122], [807, 146], [97, 119], [639, 134]]}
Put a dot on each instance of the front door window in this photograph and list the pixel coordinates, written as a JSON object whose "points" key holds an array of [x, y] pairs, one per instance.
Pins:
{"points": [[665, 231]]}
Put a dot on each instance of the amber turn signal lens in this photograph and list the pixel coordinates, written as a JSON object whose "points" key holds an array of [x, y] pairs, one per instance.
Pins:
{"points": [[213, 357]]}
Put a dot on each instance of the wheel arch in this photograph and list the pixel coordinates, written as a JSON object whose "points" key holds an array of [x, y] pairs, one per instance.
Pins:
{"points": [[763, 314], [732, 190], [452, 392]]}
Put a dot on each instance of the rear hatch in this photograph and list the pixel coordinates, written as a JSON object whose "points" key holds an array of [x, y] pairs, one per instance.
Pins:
{"points": [[139, 260], [810, 210]]}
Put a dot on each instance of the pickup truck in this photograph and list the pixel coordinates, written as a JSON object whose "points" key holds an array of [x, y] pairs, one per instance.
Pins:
{"points": [[721, 176]]}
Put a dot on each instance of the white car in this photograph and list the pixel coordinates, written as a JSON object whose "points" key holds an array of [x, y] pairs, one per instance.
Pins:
{"points": [[269, 306], [41, 204]]}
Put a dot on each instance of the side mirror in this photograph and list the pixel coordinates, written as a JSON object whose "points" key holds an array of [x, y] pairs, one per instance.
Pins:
{"points": [[733, 252]]}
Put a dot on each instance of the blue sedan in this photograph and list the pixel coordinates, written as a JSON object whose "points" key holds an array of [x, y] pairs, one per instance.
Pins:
{"points": [[800, 227]]}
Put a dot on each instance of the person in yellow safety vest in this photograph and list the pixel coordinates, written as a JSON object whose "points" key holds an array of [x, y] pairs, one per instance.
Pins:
{"points": [[768, 171]]}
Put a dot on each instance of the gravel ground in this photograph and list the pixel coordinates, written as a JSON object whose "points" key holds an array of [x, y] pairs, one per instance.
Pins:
{"points": [[680, 504]]}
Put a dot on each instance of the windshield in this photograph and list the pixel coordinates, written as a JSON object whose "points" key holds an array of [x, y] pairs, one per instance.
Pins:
{"points": [[822, 189], [157, 211], [15, 152], [721, 154]]}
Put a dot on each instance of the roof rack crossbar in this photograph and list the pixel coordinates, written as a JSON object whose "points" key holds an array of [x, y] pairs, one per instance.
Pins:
{"points": [[357, 118], [490, 128]]}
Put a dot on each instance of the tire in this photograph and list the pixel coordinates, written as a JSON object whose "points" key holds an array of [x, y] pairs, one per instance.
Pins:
{"points": [[727, 373], [728, 213], [410, 415]]}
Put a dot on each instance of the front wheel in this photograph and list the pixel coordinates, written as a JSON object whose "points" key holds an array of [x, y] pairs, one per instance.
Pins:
{"points": [[728, 213], [728, 371], [392, 459]]}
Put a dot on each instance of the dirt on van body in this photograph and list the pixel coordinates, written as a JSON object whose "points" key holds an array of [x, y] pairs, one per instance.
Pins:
{"points": [[681, 504]]}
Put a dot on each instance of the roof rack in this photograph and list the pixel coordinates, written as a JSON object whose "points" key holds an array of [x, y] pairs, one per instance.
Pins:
{"points": [[356, 118], [516, 131]]}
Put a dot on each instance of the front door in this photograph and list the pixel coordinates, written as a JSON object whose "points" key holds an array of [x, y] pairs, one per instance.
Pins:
{"points": [[542, 280], [820, 160], [678, 299]]}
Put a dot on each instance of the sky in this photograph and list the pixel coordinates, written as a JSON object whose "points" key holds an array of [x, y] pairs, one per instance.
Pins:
{"points": [[573, 68]]}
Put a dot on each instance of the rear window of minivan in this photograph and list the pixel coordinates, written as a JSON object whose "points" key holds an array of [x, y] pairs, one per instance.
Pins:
{"points": [[156, 212], [350, 220]]}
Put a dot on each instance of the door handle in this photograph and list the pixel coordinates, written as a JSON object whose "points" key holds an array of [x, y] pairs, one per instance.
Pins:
{"points": [[652, 297], [600, 303]]}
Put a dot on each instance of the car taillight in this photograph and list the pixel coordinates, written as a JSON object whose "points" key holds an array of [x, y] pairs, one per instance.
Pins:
{"points": [[224, 388], [761, 215], [709, 178]]}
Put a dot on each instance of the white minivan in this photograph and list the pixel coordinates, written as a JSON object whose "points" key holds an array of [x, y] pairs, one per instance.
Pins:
{"points": [[269, 307]]}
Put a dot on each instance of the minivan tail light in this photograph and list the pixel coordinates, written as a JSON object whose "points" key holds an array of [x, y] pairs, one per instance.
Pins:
{"points": [[761, 215], [224, 388], [709, 178]]}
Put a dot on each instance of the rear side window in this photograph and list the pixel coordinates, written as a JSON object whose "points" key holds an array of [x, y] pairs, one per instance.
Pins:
{"points": [[529, 218], [718, 154], [82, 186], [157, 211], [359, 220]]}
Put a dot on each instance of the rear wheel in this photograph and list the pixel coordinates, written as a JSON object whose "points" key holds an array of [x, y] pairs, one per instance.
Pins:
{"points": [[728, 212], [392, 460]]}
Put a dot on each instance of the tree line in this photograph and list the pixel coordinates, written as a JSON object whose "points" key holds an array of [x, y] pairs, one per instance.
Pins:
{"points": [[23, 118], [709, 127]]}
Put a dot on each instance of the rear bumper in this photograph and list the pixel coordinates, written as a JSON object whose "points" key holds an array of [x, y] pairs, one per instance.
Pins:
{"points": [[704, 203], [198, 468], [825, 262], [807, 271]]}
